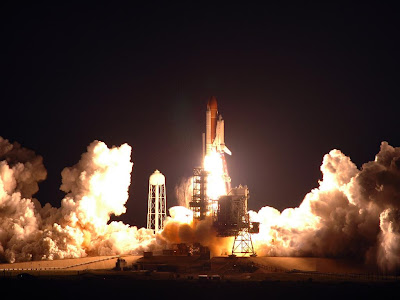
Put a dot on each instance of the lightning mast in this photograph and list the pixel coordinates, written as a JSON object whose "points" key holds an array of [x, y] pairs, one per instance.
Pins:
{"points": [[157, 202]]}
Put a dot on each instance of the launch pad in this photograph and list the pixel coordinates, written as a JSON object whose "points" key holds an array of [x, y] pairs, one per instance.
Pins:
{"points": [[226, 278], [228, 213], [193, 265]]}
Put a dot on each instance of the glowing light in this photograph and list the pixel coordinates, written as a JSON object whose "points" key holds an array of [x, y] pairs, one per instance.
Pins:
{"points": [[213, 164], [181, 214]]}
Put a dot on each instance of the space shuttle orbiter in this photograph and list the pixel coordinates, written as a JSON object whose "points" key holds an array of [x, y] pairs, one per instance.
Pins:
{"points": [[215, 130]]}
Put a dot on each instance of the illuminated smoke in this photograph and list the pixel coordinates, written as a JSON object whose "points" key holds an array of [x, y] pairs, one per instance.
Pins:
{"points": [[96, 187], [389, 239], [20, 172], [21, 169], [179, 228], [184, 191], [353, 213]]}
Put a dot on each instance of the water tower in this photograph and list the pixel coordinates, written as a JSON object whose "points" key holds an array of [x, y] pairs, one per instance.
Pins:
{"points": [[157, 202]]}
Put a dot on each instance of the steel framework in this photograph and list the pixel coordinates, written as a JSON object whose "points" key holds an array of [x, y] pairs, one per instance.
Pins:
{"points": [[243, 244], [232, 219], [200, 203]]}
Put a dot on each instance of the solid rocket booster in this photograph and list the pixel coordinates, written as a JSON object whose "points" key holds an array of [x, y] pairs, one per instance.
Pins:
{"points": [[215, 130]]}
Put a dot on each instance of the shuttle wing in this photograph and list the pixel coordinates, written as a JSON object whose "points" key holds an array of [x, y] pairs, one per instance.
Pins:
{"points": [[219, 141]]}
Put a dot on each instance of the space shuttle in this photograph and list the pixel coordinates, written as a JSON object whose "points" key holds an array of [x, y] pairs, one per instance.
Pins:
{"points": [[215, 131]]}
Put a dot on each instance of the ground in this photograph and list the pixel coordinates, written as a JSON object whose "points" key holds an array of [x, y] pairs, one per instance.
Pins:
{"points": [[257, 277]]}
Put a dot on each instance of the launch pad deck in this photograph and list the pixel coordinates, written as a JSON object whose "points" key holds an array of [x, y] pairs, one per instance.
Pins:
{"points": [[183, 264], [223, 276]]}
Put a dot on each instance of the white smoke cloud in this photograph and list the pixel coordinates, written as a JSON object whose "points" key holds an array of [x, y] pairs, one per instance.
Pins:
{"points": [[20, 172], [184, 191], [353, 213], [179, 228], [389, 239], [96, 187]]}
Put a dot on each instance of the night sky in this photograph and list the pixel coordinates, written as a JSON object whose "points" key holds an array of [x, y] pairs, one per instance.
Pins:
{"points": [[292, 83]]}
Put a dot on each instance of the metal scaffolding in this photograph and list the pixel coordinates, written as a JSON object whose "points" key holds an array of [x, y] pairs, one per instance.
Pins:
{"points": [[243, 244], [200, 203], [232, 219]]}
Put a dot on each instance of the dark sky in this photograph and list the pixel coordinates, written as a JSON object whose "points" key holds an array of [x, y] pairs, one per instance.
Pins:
{"points": [[292, 83]]}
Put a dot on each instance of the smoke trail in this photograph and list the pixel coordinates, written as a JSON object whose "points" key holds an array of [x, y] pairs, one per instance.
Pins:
{"points": [[353, 213]]}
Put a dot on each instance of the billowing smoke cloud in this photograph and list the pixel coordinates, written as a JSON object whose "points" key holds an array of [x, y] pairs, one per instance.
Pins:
{"points": [[179, 228], [389, 239], [21, 169], [184, 191], [20, 172], [353, 213], [96, 187]]}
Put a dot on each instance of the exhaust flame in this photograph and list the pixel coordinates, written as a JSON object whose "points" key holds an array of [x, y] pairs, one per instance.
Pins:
{"points": [[213, 164]]}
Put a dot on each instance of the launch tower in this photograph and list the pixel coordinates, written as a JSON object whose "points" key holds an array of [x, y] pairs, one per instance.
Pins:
{"points": [[200, 203], [232, 219], [157, 202], [228, 211]]}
